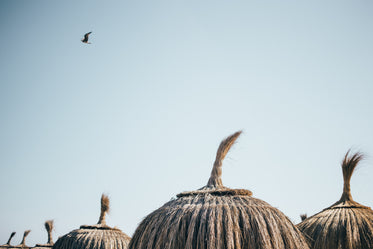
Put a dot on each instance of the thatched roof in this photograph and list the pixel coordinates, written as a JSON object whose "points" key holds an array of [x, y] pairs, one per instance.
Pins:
{"points": [[7, 245], [346, 224], [217, 217], [23, 242], [99, 236], [49, 227]]}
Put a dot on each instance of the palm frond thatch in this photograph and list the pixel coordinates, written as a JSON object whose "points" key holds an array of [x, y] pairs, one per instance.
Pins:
{"points": [[345, 224], [216, 217], [98, 236]]}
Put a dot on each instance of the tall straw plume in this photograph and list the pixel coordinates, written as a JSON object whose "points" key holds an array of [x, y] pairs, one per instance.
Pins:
{"points": [[24, 236], [349, 164], [215, 178], [49, 227], [10, 238], [105, 206]]}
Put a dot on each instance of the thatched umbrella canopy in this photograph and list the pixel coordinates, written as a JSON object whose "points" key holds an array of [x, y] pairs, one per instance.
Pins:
{"points": [[49, 227], [99, 236], [23, 242], [346, 224], [7, 245], [217, 217]]}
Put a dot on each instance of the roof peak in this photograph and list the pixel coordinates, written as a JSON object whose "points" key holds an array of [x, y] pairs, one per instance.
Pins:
{"points": [[349, 164], [215, 185], [225, 145], [105, 207]]}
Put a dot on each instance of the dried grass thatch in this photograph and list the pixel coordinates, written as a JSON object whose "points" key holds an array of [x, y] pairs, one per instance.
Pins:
{"points": [[49, 227], [216, 217], [7, 245], [346, 224], [99, 236]]}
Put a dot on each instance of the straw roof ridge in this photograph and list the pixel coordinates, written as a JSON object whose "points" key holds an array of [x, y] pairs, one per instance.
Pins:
{"points": [[220, 192], [216, 217], [345, 224]]}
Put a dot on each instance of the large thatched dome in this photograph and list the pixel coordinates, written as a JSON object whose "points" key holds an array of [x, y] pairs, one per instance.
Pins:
{"points": [[49, 227], [216, 217], [98, 236], [346, 224]]}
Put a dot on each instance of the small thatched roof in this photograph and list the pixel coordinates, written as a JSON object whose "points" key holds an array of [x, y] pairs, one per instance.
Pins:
{"points": [[49, 227], [23, 242], [99, 236], [346, 224], [217, 217], [7, 245]]}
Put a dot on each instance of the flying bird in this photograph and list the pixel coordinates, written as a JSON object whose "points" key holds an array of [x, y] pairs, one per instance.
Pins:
{"points": [[85, 39]]}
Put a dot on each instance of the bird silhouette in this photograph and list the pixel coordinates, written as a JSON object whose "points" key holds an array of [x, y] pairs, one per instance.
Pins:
{"points": [[85, 39]]}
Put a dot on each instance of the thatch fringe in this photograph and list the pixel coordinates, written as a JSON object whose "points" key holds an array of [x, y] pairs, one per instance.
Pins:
{"points": [[346, 224], [215, 178], [105, 206], [303, 217], [10, 238]]}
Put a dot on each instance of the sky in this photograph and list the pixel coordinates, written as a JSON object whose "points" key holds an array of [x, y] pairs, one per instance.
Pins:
{"points": [[139, 113]]}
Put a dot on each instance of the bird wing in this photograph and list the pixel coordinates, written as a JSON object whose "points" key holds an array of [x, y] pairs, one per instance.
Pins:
{"points": [[86, 36]]}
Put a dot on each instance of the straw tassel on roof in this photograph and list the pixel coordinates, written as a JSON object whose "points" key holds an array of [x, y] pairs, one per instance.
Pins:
{"points": [[49, 227], [346, 224], [23, 242], [99, 236], [7, 245], [303, 217], [217, 217]]}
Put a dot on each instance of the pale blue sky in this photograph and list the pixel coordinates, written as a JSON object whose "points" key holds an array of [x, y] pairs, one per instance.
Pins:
{"points": [[140, 112]]}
